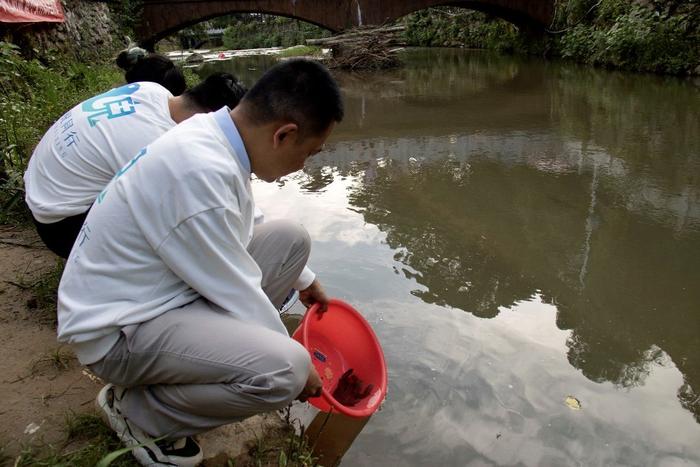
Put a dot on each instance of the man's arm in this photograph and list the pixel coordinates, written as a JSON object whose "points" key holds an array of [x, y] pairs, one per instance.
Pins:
{"points": [[207, 252], [314, 294], [309, 288]]}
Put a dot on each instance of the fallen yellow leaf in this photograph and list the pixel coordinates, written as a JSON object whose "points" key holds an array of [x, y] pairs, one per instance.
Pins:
{"points": [[573, 403]]}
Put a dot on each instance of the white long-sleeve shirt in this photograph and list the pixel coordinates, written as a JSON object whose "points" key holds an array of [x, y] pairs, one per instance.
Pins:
{"points": [[83, 150], [172, 226]]}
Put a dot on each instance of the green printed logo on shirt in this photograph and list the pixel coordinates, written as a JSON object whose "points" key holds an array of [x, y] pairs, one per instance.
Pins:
{"points": [[111, 104]]}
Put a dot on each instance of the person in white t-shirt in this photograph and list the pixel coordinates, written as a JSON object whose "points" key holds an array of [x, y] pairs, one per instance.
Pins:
{"points": [[90, 143], [171, 293]]}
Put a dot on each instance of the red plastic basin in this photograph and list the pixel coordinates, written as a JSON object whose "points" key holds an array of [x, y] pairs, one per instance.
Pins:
{"points": [[338, 340]]}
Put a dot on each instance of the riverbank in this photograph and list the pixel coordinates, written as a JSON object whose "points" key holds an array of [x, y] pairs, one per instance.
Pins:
{"points": [[48, 397], [631, 35]]}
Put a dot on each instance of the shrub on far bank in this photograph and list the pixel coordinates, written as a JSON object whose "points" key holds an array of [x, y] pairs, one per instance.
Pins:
{"points": [[635, 35], [458, 27], [255, 31], [639, 39]]}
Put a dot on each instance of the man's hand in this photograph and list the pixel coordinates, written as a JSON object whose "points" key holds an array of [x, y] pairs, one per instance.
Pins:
{"points": [[314, 294], [313, 386]]}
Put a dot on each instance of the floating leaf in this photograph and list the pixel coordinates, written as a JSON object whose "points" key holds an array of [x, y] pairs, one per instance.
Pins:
{"points": [[573, 403]]}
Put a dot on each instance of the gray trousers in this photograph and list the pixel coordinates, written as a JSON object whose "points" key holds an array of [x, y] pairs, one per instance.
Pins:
{"points": [[197, 367]]}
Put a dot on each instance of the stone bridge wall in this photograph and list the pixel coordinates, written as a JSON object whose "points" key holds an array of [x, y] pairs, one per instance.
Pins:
{"points": [[164, 17]]}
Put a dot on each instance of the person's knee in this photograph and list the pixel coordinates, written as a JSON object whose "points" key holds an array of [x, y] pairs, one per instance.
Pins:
{"points": [[295, 234], [291, 363], [299, 368]]}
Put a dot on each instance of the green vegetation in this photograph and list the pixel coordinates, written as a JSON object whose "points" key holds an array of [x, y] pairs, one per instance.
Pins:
{"points": [[284, 449], [300, 51], [254, 31], [44, 289], [125, 14], [58, 359], [457, 27], [661, 37], [34, 94], [87, 441], [635, 35]]}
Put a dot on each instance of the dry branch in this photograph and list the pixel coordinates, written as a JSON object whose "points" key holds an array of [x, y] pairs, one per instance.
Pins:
{"points": [[365, 48]]}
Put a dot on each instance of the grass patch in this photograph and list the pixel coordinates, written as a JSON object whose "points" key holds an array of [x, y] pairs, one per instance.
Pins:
{"points": [[301, 51], [87, 441], [44, 289], [58, 359], [283, 448], [4, 458]]}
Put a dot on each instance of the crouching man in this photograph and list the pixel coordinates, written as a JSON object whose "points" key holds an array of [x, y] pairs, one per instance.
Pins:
{"points": [[171, 292]]}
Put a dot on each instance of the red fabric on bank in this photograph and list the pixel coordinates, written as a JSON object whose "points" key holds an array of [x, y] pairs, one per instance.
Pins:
{"points": [[31, 11]]}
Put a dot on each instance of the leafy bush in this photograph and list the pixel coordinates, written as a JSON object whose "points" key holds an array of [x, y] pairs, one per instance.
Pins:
{"points": [[254, 31], [126, 14], [660, 36], [635, 37], [458, 27]]}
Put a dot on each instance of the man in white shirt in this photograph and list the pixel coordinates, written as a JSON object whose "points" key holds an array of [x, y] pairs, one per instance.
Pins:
{"points": [[88, 145], [171, 293]]}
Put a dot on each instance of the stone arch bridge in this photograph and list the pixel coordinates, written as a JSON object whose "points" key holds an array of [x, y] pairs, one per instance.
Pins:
{"points": [[161, 18]]}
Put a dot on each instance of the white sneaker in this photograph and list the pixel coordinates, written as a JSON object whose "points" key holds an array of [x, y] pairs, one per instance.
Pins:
{"points": [[184, 452]]}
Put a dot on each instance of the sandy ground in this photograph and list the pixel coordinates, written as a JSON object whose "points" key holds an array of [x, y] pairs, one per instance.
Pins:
{"points": [[35, 394], [37, 390]]}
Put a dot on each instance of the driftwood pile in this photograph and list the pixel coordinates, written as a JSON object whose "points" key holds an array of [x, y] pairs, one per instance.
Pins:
{"points": [[364, 48]]}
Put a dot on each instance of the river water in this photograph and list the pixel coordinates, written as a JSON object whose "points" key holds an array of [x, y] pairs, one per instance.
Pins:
{"points": [[517, 232]]}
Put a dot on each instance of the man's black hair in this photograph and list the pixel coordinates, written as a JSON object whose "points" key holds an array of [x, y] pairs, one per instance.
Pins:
{"points": [[216, 91], [143, 66], [300, 91]]}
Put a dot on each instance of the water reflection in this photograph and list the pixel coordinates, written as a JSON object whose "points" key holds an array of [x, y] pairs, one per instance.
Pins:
{"points": [[484, 236], [534, 195]]}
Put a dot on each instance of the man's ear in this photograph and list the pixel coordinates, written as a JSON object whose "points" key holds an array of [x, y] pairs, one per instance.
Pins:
{"points": [[285, 133]]}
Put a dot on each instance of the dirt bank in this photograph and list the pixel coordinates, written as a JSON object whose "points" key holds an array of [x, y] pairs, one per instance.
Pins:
{"points": [[43, 387], [40, 382]]}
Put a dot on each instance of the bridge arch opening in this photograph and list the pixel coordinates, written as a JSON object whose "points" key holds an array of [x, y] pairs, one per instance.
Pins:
{"points": [[163, 17], [237, 17], [462, 26], [518, 18]]}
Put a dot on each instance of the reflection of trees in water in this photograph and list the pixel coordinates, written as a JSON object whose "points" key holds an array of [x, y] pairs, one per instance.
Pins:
{"points": [[638, 115], [628, 368], [466, 250], [506, 218], [316, 179], [650, 122], [427, 75], [483, 235]]}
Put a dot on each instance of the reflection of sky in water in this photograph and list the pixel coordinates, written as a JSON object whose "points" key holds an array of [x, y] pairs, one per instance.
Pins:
{"points": [[561, 203], [471, 391]]}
